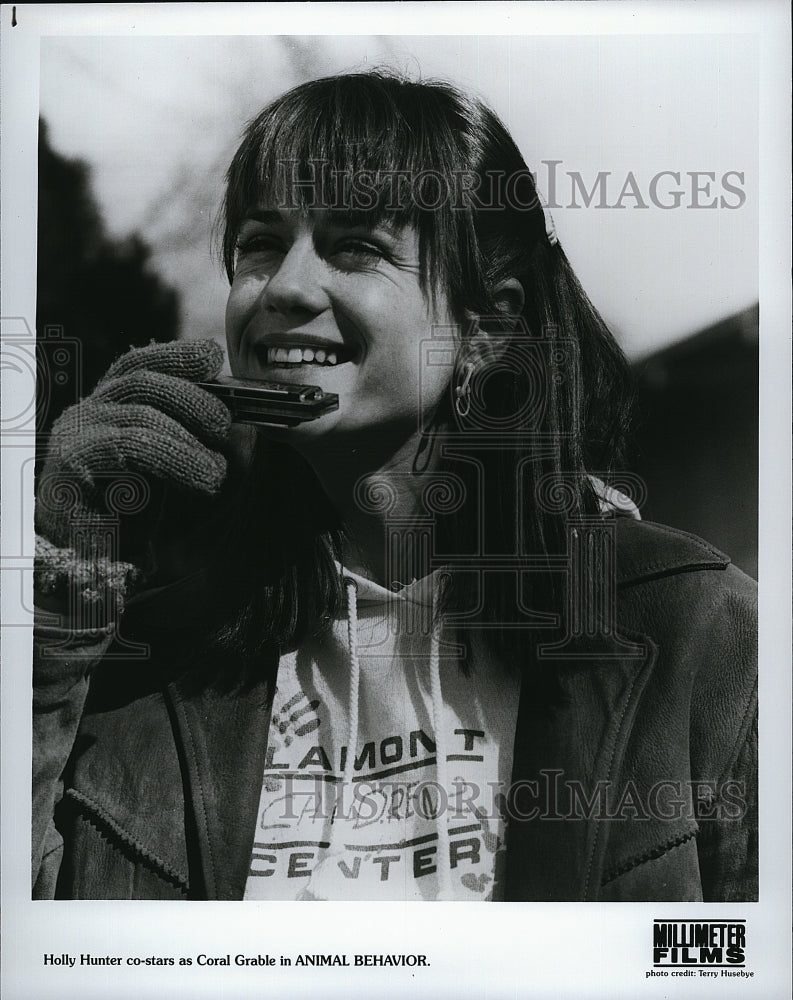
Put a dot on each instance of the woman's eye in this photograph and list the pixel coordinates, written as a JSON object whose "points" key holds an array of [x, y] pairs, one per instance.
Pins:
{"points": [[258, 244], [358, 252]]}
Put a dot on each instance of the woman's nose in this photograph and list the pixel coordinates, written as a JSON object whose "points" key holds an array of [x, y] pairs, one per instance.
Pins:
{"points": [[296, 286]]}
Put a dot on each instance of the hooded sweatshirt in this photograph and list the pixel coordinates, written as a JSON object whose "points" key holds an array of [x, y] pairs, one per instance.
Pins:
{"points": [[387, 766], [385, 762]]}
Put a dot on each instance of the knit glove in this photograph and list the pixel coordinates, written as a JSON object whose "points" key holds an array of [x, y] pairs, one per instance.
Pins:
{"points": [[145, 428]]}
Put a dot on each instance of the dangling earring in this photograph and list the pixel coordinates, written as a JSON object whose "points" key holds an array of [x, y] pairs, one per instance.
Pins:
{"points": [[462, 392]]}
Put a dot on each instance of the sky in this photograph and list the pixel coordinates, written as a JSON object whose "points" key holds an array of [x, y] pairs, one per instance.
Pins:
{"points": [[158, 119]]}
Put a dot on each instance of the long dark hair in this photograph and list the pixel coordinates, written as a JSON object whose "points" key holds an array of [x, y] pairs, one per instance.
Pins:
{"points": [[552, 407]]}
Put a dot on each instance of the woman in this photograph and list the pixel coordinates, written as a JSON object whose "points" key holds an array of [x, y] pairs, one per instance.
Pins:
{"points": [[415, 648]]}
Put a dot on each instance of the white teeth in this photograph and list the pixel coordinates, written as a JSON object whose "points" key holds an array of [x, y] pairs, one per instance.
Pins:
{"points": [[298, 355]]}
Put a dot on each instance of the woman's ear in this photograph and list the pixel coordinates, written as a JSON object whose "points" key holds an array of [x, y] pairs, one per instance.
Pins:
{"points": [[509, 298], [491, 333], [490, 336]]}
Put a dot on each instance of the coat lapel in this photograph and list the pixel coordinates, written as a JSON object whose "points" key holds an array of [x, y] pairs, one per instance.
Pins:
{"points": [[223, 741], [563, 766]]}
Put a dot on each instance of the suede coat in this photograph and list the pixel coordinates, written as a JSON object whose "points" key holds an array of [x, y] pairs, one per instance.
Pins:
{"points": [[641, 786]]}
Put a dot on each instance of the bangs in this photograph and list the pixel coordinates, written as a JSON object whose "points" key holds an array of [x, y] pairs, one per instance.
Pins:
{"points": [[371, 147]]}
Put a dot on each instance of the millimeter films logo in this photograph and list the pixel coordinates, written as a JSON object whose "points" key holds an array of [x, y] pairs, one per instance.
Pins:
{"points": [[698, 944]]}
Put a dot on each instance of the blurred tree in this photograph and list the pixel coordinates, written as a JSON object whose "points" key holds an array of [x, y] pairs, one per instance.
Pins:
{"points": [[91, 289]]}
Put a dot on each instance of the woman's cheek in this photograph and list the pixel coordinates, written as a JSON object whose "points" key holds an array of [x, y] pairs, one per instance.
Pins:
{"points": [[239, 307]]}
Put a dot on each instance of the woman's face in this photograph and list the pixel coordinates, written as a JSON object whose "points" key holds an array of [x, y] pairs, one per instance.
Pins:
{"points": [[322, 301]]}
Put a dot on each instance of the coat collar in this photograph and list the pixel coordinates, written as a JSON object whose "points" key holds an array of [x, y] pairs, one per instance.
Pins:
{"points": [[647, 551]]}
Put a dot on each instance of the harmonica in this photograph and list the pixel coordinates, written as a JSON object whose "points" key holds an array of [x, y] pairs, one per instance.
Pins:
{"points": [[282, 404]]}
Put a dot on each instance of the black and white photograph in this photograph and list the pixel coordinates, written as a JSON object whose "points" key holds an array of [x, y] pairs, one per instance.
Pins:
{"points": [[396, 493]]}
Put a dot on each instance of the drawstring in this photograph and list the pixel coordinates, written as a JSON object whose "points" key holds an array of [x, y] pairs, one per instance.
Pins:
{"points": [[441, 769], [320, 885], [355, 683]]}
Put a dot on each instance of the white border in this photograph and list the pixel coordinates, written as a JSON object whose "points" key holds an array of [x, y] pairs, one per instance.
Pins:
{"points": [[539, 950]]}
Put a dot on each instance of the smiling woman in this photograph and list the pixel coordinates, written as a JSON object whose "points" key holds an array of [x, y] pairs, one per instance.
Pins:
{"points": [[310, 292], [380, 654]]}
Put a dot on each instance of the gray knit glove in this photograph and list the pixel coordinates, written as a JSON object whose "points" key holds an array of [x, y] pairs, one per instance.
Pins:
{"points": [[144, 428]]}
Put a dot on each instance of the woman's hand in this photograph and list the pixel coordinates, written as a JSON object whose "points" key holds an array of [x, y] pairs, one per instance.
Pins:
{"points": [[146, 429]]}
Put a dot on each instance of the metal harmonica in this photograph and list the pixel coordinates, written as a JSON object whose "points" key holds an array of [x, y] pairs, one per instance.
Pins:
{"points": [[282, 404]]}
